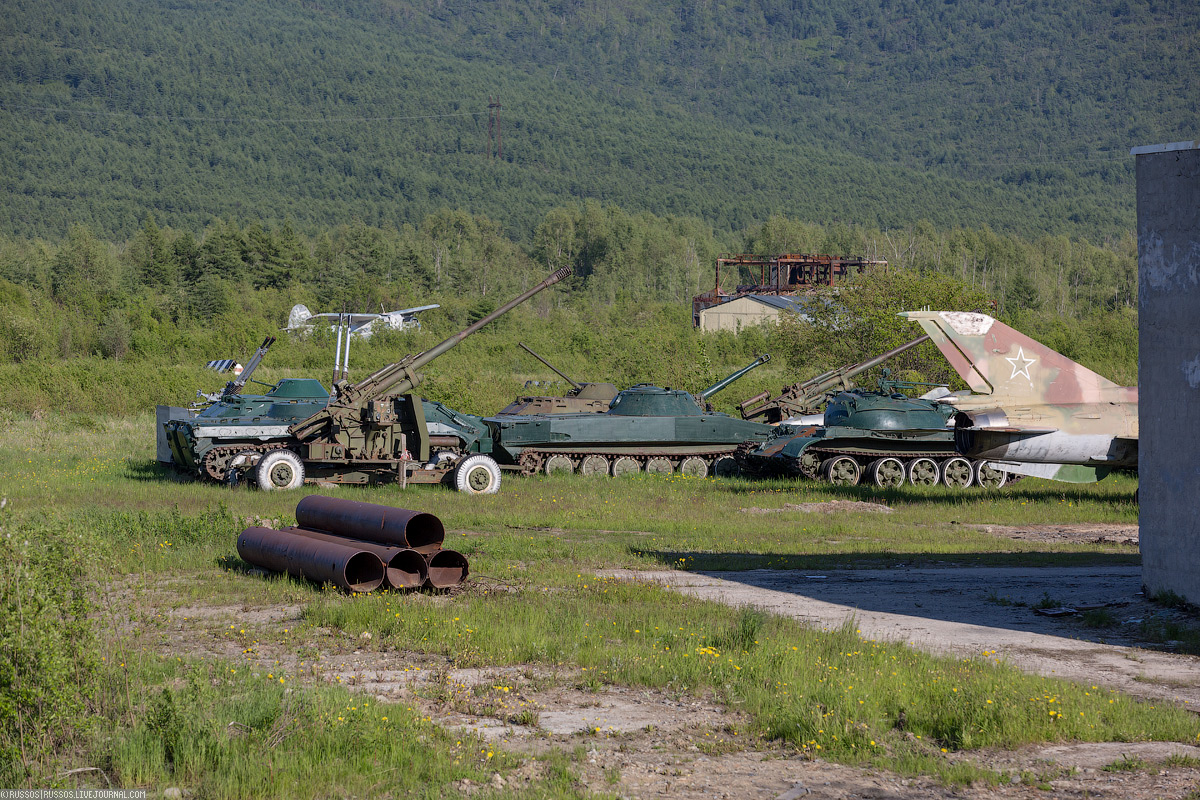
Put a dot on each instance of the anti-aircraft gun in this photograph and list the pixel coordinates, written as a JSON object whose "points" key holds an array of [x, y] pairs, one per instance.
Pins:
{"points": [[371, 431], [377, 429], [583, 397], [808, 396]]}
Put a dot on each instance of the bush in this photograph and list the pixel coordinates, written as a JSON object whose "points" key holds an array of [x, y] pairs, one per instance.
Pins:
{"points": [[47, 649]]}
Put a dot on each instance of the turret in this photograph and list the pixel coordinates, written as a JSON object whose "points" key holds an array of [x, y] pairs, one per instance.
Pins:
{"points": [[806, 397]]}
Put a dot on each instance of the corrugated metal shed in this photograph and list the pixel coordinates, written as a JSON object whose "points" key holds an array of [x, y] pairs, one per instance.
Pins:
{"points": [[750, 309]]}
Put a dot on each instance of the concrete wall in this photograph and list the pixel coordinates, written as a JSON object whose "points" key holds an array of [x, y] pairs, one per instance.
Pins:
{"points": [[736, 314], [1168, 213]]}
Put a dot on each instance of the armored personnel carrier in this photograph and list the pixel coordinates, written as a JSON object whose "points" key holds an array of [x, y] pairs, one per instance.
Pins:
{"points": [[646, 428], [885, 437], [375, 430]]}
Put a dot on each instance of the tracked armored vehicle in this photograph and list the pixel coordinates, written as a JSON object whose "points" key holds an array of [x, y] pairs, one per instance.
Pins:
{"points": [[583, 397], [376, 430], [210, 436], [646, 428], [883, 437]]}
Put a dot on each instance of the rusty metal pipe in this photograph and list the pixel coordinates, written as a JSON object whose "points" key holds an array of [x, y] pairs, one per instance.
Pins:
{"points": [[447, 568], [372, 523], [405, 567], [344, 565]]}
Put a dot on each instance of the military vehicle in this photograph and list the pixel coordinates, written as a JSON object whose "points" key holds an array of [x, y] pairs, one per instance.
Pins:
{"points": [[583, 397], [646, 428], [800, 401], [372, 431], [197, 438], [885, 437]]}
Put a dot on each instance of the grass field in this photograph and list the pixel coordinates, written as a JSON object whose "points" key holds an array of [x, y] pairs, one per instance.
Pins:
{"points": [[144, 652]]}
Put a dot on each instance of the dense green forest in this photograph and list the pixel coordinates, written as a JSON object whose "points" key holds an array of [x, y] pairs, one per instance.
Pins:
{"points": [[91, 325], [177, 174], [966, 113]]}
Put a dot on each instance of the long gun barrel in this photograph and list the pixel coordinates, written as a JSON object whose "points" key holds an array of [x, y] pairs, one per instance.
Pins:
{"points": [[802, 398], [236, 385], [721, 384], [559, 372], [402, 377]]}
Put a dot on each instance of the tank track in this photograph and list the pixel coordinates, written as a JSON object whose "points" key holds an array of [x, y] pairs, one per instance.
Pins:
{"points": [[532, 462], [216, 461], [809, 465]]}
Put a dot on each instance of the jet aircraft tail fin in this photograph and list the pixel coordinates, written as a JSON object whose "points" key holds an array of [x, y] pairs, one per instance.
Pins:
{"points": [[996, 360]]}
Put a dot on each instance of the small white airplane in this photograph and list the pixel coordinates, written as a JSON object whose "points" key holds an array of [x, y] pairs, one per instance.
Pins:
{"points": [[301, 319]]}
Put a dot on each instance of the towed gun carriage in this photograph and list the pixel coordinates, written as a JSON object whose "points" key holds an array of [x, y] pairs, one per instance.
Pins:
{"points": [[646, 428], [373, 431]]}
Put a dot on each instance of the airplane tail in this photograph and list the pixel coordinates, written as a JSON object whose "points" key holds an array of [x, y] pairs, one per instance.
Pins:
{"points": [[996, 360]]}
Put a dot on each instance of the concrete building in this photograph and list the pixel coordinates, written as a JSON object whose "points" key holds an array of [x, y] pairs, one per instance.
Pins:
{"points": [[750, 309], [1168, 219]]}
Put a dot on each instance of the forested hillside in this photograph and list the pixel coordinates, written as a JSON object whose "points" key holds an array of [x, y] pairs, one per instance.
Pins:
{"points": [[971, 113]]}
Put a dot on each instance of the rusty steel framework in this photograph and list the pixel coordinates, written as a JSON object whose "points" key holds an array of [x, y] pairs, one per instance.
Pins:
{"points": [[784, 274]]}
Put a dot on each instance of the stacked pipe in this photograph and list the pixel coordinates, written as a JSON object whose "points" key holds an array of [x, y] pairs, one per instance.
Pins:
{"points": [[357, 546]]}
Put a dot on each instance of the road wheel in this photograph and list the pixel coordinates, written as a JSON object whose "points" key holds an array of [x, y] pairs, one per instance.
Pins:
{"points": [[477, 475], [988, 476], [279, 469], [726, 467], [694, 467], [625, 465], [957, 473], [659, 466], [887, 473], [924, 472], [559, 463], [594, 465], [810, 464], [842, 471]]}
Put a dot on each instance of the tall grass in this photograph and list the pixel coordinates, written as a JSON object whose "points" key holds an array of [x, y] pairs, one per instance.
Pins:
{"points": [[148, 543], [836, 694]]}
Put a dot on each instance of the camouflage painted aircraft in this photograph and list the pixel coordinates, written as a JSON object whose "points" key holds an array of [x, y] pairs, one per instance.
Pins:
{"points": [[1034, 411]]}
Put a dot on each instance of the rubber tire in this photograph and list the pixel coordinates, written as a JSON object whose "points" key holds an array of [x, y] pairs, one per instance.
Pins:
{"points": [[895, 476], [928, 480], [849, 472], [694, 467], [983, 481], [952, 473], [279, 470], [478, 474], [625, 465]]}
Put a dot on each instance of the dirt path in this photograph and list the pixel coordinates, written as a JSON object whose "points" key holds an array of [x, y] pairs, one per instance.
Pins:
{"points": [[966, 610], [653, 744]]}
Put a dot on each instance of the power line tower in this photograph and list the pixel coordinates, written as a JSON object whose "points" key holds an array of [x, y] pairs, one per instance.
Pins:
{"points": [[494, 128]]}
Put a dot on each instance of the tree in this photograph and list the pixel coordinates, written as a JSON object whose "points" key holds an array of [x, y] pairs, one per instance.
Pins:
{"points": [[151, 260], [1022, 294], [82, 272]]}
